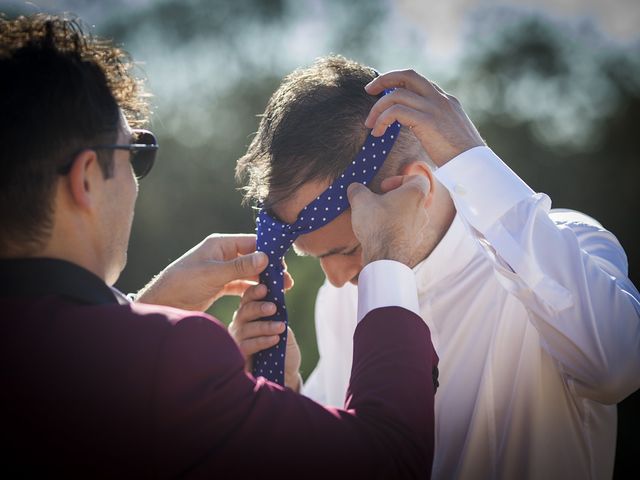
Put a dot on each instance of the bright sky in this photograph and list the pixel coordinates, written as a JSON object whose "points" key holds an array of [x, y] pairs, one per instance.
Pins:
{"points": [[443, 22], [425, 35]]}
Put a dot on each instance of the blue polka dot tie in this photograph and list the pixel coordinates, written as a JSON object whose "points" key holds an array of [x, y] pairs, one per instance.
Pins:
{"points": [[275, 237]]}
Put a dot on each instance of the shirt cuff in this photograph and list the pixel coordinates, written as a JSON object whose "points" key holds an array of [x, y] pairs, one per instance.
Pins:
{"points": [[482, 186], [386, 283]]}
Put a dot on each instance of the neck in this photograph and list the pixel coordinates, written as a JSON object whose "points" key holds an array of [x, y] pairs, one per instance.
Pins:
{"points": [[54, 248], [74, 252], [71, 237], [440, 223]]}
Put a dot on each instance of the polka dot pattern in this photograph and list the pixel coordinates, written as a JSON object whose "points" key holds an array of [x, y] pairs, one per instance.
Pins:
{"points": [[275, 238]]}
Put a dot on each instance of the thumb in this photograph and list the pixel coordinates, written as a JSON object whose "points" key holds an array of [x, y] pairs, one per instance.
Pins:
{"points": [[415, 187], [358, 193], [391, 183], [243, 266]]}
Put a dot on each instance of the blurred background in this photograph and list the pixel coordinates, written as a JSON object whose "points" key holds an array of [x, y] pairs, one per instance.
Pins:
{"points": [[553, 86]]}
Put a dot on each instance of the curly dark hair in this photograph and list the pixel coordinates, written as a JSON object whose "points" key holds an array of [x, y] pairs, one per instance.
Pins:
{"points": [[61, 89]]}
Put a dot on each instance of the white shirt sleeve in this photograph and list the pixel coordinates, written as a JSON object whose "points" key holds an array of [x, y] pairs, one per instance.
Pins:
{"points": [[386, 283], [335, 322], [570, 274], [314, 387]]}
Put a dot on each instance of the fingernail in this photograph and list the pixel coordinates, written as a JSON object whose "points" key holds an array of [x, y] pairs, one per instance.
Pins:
{"points": [[258, 259], [268, 307], [278, 326]]}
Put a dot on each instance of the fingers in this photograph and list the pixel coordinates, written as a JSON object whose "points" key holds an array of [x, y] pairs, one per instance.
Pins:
{"points": [[291, 339], [414, 103], [242, 267], [237, 287], [357, 194], [249, 265], [403, 114], [412, 186], [288, 281], [436, 118], [396, 181], [407, 79], [416, 186], [251, 346], [232, 244], [407, 189], [256, 292], [397, 97], [391, 183], [251, 334]]}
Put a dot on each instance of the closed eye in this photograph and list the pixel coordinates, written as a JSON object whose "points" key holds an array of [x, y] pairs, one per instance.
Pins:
{"points": [[339, 251], [351, 252]]}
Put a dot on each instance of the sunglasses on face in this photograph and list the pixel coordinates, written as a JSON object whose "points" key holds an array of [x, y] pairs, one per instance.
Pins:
{"points": [[143, 150]]}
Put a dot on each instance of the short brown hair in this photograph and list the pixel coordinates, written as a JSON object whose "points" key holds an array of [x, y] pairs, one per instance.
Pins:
{"points": [[60, 91], [311, 129]]}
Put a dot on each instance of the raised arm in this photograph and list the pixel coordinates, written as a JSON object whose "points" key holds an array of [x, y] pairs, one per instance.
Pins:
{"points": [[568, 271], [212, 416]]}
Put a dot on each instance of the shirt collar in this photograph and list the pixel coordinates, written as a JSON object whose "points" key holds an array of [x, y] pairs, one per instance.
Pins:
{"points": [[37, 277], [450, 256]]}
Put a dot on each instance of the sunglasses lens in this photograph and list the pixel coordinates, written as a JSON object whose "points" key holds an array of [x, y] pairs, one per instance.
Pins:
{"points": [[142, 160]]}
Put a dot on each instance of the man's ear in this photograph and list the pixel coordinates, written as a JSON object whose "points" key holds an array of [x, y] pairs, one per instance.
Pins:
{"points": [[419, 167], [83, 178]]}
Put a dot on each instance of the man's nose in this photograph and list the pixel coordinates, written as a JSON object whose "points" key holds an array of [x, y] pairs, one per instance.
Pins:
{"points": [[340, 269]]}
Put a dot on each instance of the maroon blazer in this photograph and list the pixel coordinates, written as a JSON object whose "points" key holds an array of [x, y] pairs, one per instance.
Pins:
{"points": [[94, 389]]}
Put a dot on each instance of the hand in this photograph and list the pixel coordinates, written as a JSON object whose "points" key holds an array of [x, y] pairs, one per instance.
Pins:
{"points": [[220, 265], [393, 225], [253, 335], [435, 117]]}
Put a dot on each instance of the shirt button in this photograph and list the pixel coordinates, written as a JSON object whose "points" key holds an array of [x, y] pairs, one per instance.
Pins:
{"points": [[459, 189]]}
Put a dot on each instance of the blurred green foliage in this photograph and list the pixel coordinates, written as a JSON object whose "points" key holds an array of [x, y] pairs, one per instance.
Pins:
{"points": [[559, 102]]}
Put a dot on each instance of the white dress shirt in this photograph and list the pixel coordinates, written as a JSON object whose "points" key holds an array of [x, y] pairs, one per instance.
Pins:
{"points": [[536, 325]]}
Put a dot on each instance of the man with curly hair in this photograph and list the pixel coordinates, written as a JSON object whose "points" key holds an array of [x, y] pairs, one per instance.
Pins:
{"points": [[96, 386]]}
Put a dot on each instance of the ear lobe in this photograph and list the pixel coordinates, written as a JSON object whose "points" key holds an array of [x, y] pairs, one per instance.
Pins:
{"points": [[420, 167], [82, 177]]}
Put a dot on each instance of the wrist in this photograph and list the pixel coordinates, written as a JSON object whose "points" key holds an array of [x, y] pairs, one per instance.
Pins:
{"points": [[148, 294]]}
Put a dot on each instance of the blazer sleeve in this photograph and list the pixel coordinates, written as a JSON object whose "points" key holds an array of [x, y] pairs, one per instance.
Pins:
{"points": [[212, 417]]}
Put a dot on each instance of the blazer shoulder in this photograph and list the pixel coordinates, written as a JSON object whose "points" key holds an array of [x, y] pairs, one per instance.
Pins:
{"points": [[186, 332], [145, 322], [172, 316]]}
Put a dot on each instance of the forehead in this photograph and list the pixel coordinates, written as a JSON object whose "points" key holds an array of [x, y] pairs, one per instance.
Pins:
{"points": [[288, 209], [335, 235]]}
